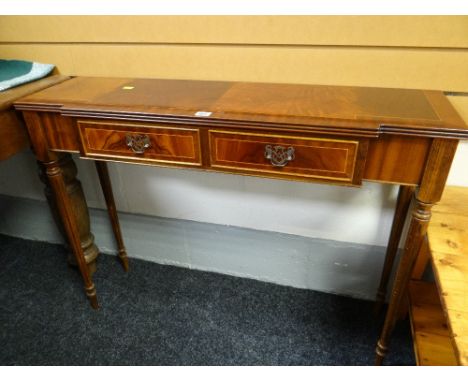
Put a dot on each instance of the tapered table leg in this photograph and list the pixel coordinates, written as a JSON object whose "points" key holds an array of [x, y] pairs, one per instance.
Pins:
{"points": [[106, 186], [65, 208], [418, 226], [405, 195], [430, 192]]}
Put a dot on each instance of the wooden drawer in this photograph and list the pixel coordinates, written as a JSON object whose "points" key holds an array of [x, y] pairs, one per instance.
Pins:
{"points": [[138, 142], [284, 156]]}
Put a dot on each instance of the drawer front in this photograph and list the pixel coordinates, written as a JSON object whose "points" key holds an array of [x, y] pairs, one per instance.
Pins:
{"points": [[323, 159], [142, 143]]}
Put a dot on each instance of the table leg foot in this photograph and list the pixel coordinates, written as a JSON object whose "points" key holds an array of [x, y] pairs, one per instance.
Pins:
{"points": [[123, 259], [380, 353], [92, 296]]}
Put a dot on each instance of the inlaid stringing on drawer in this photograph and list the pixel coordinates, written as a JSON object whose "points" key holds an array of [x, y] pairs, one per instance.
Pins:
{"points": [[138, 142], [324, 159]]}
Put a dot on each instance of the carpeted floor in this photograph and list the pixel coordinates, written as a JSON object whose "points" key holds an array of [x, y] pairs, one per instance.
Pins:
{"points": [[164, 315]]}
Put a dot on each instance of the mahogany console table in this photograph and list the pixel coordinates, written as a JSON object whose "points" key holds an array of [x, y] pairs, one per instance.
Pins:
{"points": [[330, 134]]}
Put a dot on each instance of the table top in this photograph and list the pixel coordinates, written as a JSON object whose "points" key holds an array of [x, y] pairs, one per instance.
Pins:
{"points": [[365, 110], [7, 97], [448, 240]]}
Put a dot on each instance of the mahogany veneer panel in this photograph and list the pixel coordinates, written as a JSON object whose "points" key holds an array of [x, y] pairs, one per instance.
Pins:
{"points": [[166, 144], [320, 158], [390, 154], [61, 132]]}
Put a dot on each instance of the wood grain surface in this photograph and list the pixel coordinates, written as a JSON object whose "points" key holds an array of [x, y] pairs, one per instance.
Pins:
{"points": [[325, 109], [166, 145], [448, 240], [431, 336], [320, 158]]}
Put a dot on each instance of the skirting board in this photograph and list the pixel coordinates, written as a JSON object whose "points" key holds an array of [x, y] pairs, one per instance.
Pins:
{"points": [[330, 266]]}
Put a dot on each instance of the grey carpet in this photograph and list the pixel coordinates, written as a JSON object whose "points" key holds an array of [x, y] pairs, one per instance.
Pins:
{"points": [[164, 315]]}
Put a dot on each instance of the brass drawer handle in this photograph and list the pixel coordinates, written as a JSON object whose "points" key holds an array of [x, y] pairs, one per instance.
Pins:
{"points": [[279, 156], [138, 142]]}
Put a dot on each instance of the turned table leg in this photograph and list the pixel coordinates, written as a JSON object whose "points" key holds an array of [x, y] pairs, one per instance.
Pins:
{"points": [[430, 192], [68, 217], [405, 195], [79, 206], [106, 186], [68, 198]]}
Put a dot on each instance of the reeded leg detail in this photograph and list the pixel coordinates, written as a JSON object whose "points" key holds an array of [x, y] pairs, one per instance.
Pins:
{"points": [[69, 220], [106, 186], [405, 195], [419, 221], [431, 188]]}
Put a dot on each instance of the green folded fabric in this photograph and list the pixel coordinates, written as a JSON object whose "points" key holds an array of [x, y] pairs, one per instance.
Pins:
{"points": [[17, 72]]}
